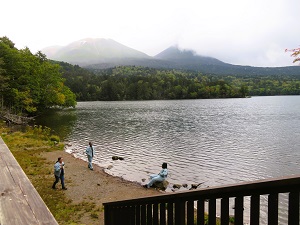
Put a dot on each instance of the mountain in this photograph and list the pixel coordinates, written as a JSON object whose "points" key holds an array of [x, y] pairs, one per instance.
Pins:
{"points": [[189, 60], [88, 51], [186, 57], [106, 53]]}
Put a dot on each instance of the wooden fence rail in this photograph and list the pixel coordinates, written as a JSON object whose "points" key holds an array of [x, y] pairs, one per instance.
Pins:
{"points": [[179, 208]]}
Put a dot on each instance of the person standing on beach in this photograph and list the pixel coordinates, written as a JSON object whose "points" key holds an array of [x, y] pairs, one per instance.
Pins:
{"points": [[59, 173], [158, 177], [90, 152]]}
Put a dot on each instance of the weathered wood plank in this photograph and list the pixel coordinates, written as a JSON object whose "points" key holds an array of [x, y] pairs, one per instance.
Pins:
{"points": [[14, 209], [20, 202]]}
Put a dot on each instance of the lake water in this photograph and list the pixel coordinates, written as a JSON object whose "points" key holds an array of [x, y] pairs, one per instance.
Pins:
{"points": [[215, 141]]}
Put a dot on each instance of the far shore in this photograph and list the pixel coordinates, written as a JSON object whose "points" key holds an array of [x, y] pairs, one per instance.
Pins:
{"points": [[94, 186]]}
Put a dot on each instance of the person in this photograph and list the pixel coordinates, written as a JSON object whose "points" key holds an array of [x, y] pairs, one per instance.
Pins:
{"points": [[90, 152], [158, 177], [59, 173]]}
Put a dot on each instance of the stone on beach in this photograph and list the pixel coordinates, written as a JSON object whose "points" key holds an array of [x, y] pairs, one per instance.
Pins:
{"points": [[161, 185], [177, 186]]}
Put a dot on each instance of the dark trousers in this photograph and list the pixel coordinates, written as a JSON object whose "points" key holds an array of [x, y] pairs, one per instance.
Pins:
{"points": [[62, 181]]}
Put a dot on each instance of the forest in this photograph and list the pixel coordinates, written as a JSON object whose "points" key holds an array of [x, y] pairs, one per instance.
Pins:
{"points": [[30, 83], [142, 83]]}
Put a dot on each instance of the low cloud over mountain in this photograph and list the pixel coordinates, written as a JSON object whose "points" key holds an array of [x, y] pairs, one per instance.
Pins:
{"points": [[104, 53]]}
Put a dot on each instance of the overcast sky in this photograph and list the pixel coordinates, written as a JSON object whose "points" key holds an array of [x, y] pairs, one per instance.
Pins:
{"points": [[245, 32]]}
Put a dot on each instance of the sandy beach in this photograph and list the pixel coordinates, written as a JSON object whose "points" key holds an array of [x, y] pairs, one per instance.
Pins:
{"points": [[94, 186]]}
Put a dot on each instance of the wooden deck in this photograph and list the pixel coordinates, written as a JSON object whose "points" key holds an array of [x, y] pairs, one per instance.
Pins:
{"points": [[20, 203]]}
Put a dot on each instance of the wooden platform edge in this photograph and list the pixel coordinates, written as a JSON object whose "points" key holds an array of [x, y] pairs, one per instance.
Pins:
{"points": [[20, 202]]}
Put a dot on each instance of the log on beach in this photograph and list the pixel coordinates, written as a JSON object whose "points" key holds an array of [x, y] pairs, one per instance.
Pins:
{"points": [[14, 119]]}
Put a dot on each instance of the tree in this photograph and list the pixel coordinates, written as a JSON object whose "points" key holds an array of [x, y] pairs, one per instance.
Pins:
{"points": [[3, 82], [30, 83]]}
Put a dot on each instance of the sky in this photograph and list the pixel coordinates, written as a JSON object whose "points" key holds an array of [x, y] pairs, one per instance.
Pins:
{"points": [[241, 32]]}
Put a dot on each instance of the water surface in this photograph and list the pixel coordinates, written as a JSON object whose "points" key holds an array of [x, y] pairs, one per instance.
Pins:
{"points": [[215, 141]]}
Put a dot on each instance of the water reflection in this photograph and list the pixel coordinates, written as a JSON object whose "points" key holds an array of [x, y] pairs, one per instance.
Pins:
{"points": [[61, 122]]}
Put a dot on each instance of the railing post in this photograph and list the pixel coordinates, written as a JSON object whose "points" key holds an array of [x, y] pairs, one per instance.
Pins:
{"points": [[170, 213], [254, 210], [212, 211], [143, 215], [155, 213], [162, 210], [179, 212], [224, 211], [294, 208], [108, 214], [190, 212], [273, 209], [239, 211], [137, 214], [131, 213], [200, 212], [149, 214]]}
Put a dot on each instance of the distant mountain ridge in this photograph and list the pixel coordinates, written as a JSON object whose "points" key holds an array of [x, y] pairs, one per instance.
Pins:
{"points": [[88, 51], [102, 53]]}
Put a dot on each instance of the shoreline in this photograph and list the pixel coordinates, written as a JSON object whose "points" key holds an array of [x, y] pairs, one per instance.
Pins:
{"points": [[95, 186]]}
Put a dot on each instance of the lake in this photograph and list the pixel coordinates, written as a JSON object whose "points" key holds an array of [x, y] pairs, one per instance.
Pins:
{"points": [[215, 141]]}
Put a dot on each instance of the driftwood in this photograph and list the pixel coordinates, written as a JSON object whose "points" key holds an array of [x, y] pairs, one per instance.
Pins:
{"points": [[195, 186], [14, 119]]}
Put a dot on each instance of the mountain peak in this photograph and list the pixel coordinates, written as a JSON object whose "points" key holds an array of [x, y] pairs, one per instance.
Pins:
{"points": [[92, 50], [184, 56], [174, 52]]}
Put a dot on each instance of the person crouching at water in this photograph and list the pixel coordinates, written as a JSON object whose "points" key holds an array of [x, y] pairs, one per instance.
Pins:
{"points": [[59, 173], [90, 152], [158, 177]]}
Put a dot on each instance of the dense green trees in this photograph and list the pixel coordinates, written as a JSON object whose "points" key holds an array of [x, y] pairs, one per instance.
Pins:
{"points": [[30, 83], [139, 83]]}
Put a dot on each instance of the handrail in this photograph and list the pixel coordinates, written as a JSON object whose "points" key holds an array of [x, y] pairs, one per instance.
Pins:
{"points": [[145, 210]]}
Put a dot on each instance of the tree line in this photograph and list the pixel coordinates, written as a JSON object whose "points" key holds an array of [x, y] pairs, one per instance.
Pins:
{"points": [[30, 83], [140, 83]]}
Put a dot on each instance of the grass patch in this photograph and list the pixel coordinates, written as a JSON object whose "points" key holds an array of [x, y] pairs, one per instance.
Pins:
{"points": [[27, 148]]}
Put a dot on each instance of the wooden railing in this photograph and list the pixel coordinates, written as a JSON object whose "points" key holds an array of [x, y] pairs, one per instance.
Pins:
{"points": [[20, 203], [193, 207]]}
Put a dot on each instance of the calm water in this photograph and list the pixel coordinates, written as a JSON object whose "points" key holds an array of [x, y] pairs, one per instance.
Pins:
{"points": [[215, 141]]}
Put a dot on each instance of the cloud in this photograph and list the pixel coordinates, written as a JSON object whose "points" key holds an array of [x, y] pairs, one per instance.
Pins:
{"points": [[241, 32]]}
